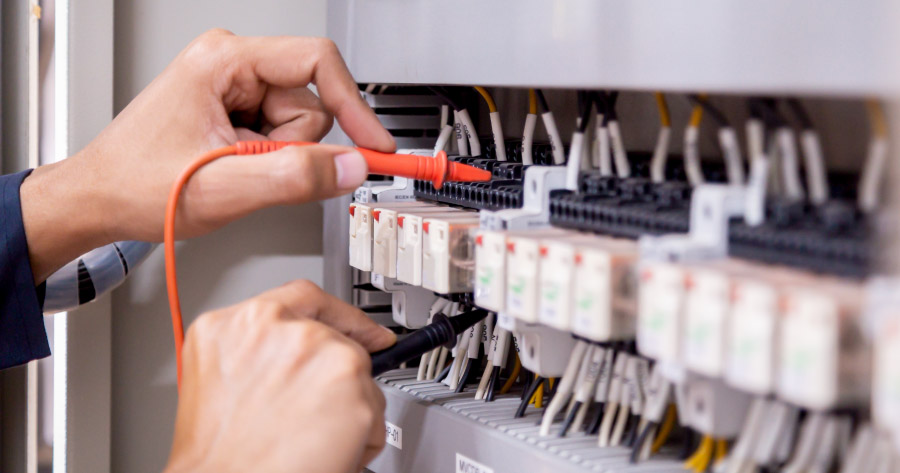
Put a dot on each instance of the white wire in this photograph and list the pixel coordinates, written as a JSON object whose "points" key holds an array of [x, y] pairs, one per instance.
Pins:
{"points": [[485, 379], [528, 139], [556, 144], [813, 161], [790, 174], [445, 113], [371, 88], [731, 150], [872, 174], [443, 139], [623, 169], [603, 151], [564, 388], [462, 143], [499, 141], [382, 89], [692, 156], [660, 155], [471, 132], [573, 165], [595, 141]]}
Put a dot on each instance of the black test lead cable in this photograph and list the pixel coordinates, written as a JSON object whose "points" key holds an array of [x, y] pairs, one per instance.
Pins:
{"points": [[443, 331]]}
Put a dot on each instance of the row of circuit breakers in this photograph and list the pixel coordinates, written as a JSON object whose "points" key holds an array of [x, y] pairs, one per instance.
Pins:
{"points": [[770, 343]]}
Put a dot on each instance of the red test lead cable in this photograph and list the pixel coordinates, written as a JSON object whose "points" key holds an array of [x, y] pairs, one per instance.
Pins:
{"points": [[437, 170]]}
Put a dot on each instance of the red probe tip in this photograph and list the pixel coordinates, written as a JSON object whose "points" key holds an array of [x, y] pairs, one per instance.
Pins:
{"points": [[459, 172]]}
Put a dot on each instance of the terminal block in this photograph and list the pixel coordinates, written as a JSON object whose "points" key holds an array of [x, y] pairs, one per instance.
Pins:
{"points": [[832, 239], [628, 208]]}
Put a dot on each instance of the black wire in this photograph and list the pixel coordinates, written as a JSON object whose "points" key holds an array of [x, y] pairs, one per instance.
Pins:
{"points": [[800, 113], [492, 384], [770, 114], [542, 102], [570, 418], [594, 426], [528, 395], [584, 104], [465, 376], [611, 99], [641, 440], [714, 112], [689, 443], [631, 432], [443, 374], [443, 94]]}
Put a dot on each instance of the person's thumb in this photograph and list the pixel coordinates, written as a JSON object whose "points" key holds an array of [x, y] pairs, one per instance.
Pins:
{"points": [[300, 174]]}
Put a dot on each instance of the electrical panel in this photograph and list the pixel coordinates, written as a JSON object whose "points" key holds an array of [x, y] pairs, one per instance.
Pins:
{"points": [[687, 271]]}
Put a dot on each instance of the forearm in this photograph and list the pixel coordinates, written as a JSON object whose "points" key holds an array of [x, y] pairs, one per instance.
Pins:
{"points": [[65, 213]]}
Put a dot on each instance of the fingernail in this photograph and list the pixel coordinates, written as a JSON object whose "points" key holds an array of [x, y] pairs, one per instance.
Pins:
{"points": [[351, 170], [389, 332]]}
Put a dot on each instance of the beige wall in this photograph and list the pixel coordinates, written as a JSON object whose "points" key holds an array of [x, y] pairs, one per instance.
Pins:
{"points": [[243, 259]]}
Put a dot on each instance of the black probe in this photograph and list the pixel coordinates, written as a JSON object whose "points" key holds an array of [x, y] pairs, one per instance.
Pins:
{"points": [[443, 331]]}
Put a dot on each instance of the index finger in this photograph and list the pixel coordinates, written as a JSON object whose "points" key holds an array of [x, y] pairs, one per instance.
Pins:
{"points": [[305, 300], [290, 62]]}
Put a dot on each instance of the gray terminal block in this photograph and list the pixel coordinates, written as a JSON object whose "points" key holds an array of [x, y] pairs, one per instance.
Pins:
{"points": [[431, 429]]}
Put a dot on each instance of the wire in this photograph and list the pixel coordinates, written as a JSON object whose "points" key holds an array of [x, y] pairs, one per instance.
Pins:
{"points": [[714, 112], [816, 179], [462, 142], [443, 139], [667, 426], [492, 107], [566, 384], [496, 127], [623, 168], [576, 147], [517, 368], [529, 394], [169, 243], [603, 155], [445, 96], [721, 450], [665, 119], [661, 151], [471, 132], [876, 157], [538, 399], [556, 144], [532, 102], [541, 100], [700, 459], [692, 147]]}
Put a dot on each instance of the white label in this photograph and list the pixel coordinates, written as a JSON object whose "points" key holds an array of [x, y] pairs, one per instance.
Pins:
{"points": [[393, 435], [465, 464], [659, 314], [592, 297], [705, 320], [808, 368], [751, 340], [886, 392]]}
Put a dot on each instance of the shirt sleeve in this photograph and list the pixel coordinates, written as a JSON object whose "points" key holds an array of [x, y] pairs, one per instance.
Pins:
{"points": [[22, 334]]}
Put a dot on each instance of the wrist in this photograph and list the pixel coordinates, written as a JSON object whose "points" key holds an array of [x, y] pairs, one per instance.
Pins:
{"points": [[65, 214]]}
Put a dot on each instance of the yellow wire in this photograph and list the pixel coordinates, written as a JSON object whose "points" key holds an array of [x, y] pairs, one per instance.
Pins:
{"points": [[552, 382], [876, 117], [538, 399], [666, 429], [700, 459], [487, 98], [532, 102], [696, 115], [664, 118], [512, 377], [721, 449]]}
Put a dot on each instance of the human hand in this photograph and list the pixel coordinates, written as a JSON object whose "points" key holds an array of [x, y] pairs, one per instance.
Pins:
{"points": [[222, 88], [280, 383]]}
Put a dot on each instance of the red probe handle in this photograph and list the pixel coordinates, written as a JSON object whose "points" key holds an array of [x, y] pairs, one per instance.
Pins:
{"points": [[437, 170]]}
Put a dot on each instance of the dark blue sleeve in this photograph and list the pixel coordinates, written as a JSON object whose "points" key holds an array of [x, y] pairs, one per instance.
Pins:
{"points": [[22, 334]]}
